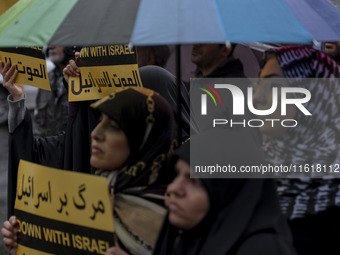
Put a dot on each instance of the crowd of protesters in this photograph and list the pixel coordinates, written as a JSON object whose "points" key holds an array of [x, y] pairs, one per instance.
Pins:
{"points": [[234, 216]]}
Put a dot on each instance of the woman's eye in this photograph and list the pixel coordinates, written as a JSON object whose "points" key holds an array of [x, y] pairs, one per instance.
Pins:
{"points": [[114, 126], [196, 181]]}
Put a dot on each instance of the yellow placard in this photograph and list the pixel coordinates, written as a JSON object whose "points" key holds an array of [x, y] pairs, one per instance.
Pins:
{"points": [[23, 250], [31, 66], [103, 69], [62, 211]]}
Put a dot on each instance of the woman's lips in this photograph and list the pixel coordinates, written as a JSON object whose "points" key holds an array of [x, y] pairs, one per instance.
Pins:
{"points": [[174, 207], [96, 150]]}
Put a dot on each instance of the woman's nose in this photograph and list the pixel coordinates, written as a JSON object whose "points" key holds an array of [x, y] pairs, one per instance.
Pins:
{"points": [[97, 134], [176, 187]]}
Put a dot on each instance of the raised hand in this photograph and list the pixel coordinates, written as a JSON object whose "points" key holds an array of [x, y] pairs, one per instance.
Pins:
{"points": [[71, 69], [9, 73]]}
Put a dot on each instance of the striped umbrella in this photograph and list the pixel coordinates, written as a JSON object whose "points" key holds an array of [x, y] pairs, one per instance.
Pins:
{"points": [[67, 22], [150, 22]]}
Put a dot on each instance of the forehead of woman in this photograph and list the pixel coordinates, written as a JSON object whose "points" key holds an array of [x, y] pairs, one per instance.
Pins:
{"points": [[271, 69]]}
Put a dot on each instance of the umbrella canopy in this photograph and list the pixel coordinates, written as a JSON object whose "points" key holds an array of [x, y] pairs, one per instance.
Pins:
{"points": [[5, 4], [151, 22], [68, 22], [32, 22], [285, 21], [177, 21], [100, 22], [239, 21]]}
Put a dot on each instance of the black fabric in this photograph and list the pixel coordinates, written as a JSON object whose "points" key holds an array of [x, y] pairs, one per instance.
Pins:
{"points": [[317, 233], [244, 215], [77, 151], [160, 80]]}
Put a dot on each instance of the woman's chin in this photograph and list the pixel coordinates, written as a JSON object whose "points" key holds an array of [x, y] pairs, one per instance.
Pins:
{"points": [[177, 221], [95, 163]]}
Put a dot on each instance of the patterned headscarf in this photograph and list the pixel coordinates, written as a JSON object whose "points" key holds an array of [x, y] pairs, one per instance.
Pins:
{"points": [[147, 121], [315, 140], [305, 62]]}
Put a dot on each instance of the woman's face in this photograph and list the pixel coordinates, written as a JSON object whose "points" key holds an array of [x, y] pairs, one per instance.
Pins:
{"points": [[110, 147], [263, 99], [187, 199]]}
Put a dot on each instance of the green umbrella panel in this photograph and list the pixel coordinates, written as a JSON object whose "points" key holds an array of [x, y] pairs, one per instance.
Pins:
{"points": [[68, 22], [32, 22]]}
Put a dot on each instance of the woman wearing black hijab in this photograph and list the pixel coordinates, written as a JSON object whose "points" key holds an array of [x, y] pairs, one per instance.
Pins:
{"points": [[234, 217], [70, 150], [129, 147]]}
